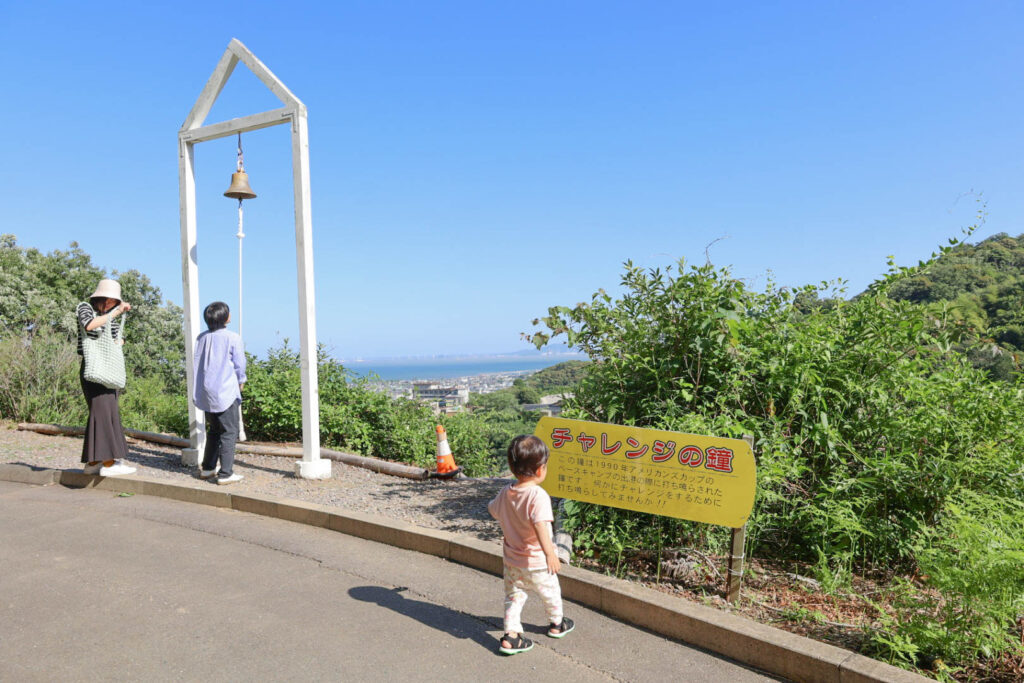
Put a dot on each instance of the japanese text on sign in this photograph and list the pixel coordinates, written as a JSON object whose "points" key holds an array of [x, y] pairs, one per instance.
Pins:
{"points": [[700, 478]]}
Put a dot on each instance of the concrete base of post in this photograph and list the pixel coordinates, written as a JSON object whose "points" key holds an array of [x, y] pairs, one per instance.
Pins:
{"points": [[313, 469], [190, 457]]}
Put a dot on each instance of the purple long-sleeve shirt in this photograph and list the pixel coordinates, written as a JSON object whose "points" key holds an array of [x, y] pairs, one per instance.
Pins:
{"points": [[219, 370]]}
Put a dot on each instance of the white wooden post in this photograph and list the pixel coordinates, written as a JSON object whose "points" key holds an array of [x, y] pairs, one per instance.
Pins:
{"points": [[311, 466], [190, 290], [192, 132]]}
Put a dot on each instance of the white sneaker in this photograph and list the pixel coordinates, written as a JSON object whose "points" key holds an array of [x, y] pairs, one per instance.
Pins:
{"points": [[92, 469], [117, 469], [206, 474], [229, 480]]}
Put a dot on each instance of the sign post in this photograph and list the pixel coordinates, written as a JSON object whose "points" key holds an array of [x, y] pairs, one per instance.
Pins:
{"points": [[700, 478], [737, 552]]}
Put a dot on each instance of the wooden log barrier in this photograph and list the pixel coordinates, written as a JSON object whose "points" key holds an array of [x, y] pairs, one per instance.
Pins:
{"points": [[395, 469], [165, 439], [53, 430]]}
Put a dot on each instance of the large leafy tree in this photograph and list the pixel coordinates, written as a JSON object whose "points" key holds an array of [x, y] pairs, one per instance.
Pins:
{"points": [[39, 292]]}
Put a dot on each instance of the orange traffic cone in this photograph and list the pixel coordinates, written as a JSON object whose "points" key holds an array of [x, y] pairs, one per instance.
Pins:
{"points": [[445, 462]]}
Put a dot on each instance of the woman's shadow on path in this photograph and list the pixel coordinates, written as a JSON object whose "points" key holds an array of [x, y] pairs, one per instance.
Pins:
{"points": [[447, 620]]}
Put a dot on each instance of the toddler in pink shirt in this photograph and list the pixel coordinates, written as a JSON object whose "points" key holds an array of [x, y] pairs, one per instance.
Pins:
{"points": [[524, 511]]}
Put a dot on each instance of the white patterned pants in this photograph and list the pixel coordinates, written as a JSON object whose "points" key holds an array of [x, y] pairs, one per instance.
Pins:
{"points": [[543, 582]]}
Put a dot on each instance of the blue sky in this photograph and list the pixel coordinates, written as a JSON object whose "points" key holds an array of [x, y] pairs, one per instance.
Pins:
{"points": [[473, 163]]}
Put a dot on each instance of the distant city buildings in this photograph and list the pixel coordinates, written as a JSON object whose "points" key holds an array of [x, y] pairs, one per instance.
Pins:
{"points": [[449, 395], [443, 400]]}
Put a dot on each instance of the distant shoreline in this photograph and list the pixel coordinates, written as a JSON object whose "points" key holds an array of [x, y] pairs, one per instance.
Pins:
{"points": [[448, 369]]}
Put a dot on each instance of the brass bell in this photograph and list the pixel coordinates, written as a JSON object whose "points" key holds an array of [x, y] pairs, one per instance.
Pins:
{"points": [[240, 186]]}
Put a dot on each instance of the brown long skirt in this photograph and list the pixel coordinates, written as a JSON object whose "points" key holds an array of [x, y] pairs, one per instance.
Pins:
{"points": [[104, 436]]}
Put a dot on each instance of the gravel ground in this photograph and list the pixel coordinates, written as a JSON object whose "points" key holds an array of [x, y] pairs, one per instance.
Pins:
{"points": [[458, 505]]}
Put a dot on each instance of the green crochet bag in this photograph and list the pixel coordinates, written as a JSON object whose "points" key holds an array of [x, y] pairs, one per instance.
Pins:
{"points": [[104, 360]]}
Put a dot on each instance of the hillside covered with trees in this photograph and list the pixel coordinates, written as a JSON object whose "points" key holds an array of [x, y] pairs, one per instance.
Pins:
{"points": [[983, 285]]}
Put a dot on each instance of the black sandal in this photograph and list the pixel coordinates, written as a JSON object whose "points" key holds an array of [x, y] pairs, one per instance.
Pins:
{"points": [[516, 645], [560, 630]]}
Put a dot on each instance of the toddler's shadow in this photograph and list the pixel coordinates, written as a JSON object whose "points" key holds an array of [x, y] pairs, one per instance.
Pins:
{"points": [[449, 621]]}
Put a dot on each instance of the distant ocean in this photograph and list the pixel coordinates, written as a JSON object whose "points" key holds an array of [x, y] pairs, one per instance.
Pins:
{"points": [[446, 368]]}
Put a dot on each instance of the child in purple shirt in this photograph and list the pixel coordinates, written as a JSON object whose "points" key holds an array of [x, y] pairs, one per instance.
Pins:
{"points": [[219, 378]]}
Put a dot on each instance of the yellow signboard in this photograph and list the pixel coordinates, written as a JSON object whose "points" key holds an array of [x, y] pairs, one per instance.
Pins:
{"points": [[700, 478]]}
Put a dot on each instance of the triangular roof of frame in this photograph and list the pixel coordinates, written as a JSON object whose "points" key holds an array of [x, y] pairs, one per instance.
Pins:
{"points": [[237, 52]]}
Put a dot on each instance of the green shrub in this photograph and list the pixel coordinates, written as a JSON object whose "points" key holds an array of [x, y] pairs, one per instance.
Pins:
{"points": [[864, 417], [353, 417], [468, 437], [972, 565], [499, 426], [272, 400], [39, 382], [39, 379], [866, 414], [146, 404]]}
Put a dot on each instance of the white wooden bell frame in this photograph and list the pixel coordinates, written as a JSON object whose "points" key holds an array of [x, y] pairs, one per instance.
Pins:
{"points": [[192, 132]]}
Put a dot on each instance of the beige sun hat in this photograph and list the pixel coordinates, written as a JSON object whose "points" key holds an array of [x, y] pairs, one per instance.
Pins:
{"points": [[107, 289]]}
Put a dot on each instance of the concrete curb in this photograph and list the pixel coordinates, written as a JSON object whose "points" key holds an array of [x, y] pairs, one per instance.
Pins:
{"points": [[757, 645]]}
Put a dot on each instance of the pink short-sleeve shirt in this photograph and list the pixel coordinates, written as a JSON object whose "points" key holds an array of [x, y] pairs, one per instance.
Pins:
{"points": [[517, 509]]}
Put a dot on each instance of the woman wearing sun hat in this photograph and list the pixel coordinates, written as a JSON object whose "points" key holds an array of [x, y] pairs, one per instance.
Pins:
{"points": [[104, 445]]}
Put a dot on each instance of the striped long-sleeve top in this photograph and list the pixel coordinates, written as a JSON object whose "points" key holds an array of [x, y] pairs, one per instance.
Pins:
{"points": [[85, 315]]}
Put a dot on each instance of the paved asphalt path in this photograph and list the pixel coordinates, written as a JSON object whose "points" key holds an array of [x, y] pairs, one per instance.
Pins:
{"points": [[94, 586]]}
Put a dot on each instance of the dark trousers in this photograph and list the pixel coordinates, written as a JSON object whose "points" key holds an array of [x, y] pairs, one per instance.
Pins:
{"points": [[221, 435]]}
